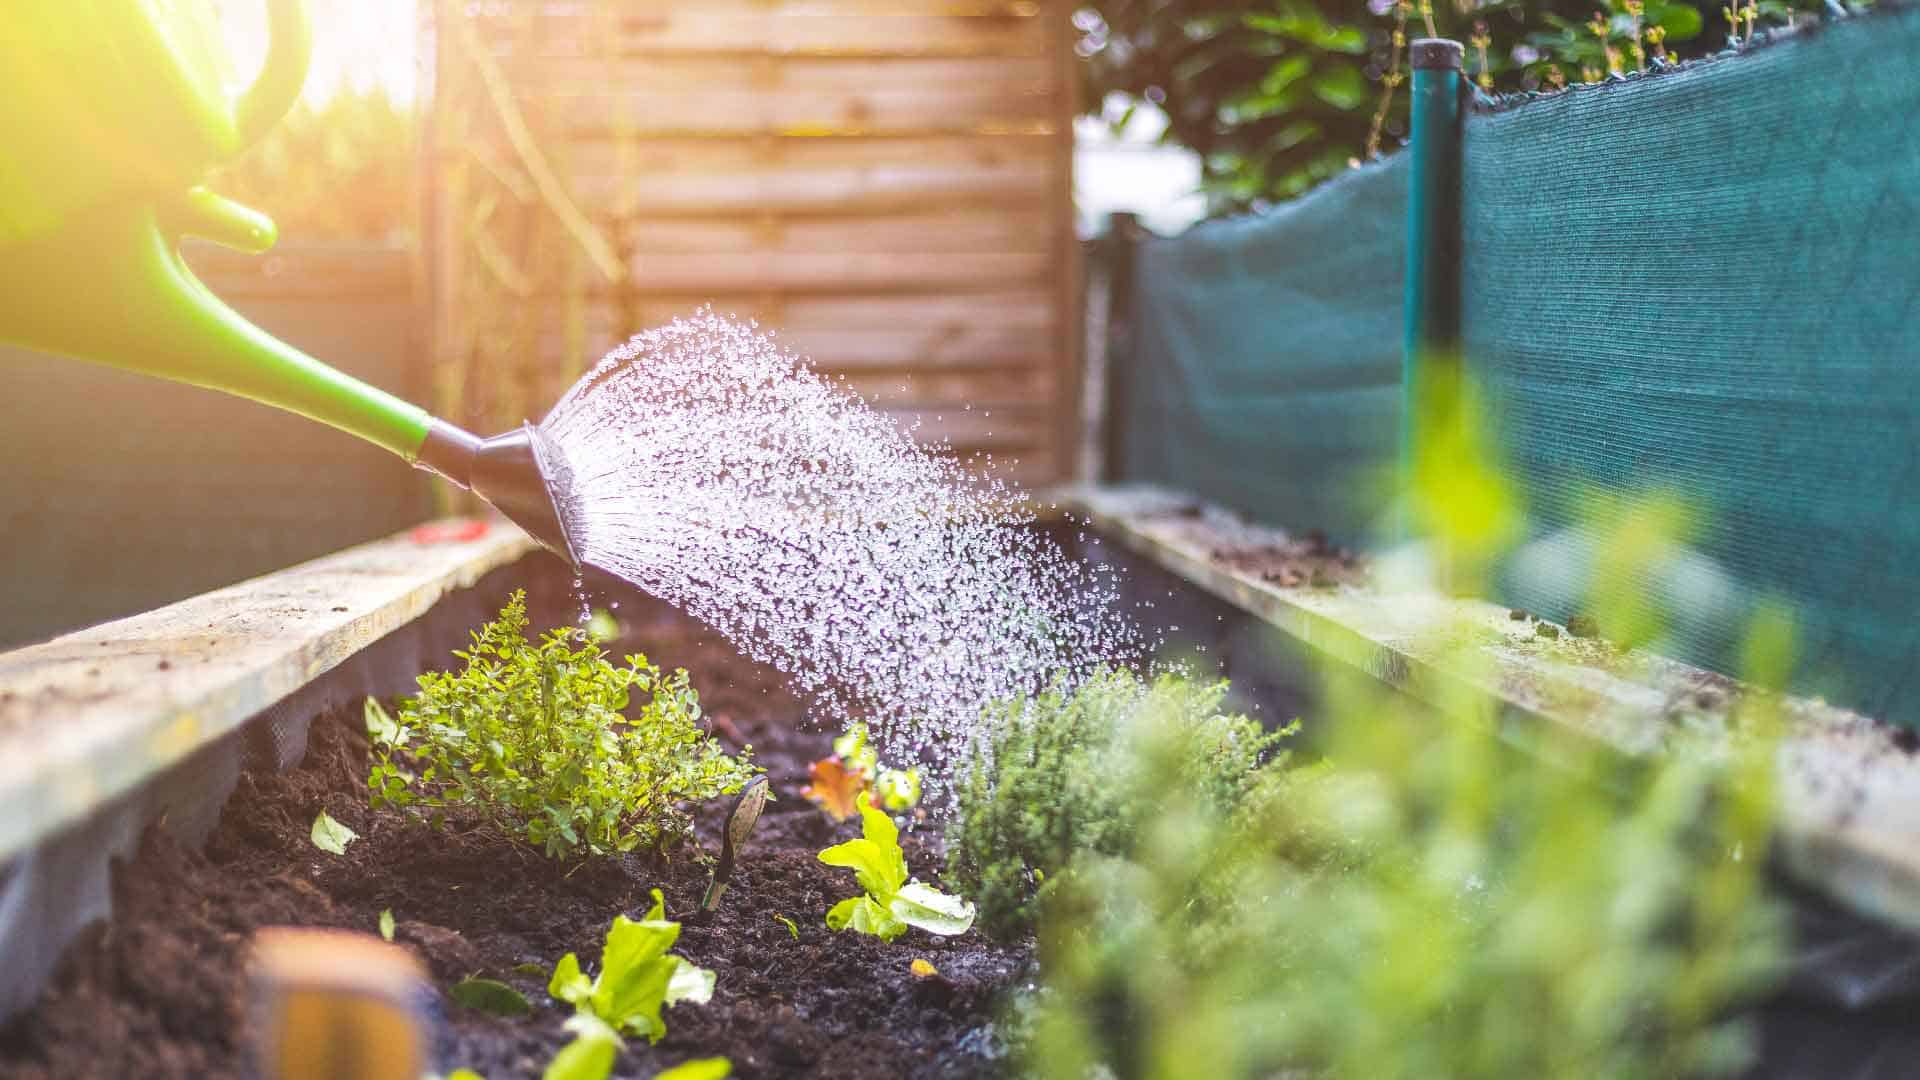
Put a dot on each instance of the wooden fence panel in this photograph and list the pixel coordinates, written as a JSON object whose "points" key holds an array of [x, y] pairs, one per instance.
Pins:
{"points": [[884, 183]]}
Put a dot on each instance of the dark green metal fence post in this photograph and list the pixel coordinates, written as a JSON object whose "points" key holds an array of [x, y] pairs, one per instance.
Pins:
{"points": [[1431, 365], [1123, 236]]}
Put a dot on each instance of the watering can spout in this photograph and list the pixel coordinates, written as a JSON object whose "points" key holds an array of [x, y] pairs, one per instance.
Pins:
{"points": [[520, 473]]}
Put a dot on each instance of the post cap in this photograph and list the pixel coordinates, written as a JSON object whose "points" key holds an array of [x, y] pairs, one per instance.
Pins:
{"points": [[1436, 54]]}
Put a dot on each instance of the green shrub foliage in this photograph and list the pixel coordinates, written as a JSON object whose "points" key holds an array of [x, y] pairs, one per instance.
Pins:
{"points": [[553, 743], [1055, 774]]}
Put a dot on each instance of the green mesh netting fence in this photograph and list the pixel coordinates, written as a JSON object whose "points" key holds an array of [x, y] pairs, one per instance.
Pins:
{"points": [[1706, 283], [1263, 370], [1703, 282]]}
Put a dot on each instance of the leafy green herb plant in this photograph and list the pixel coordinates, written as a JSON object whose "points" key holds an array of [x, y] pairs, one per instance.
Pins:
{"points": [[892, 902], [638, 976], [1056, 774], [553, 743]]}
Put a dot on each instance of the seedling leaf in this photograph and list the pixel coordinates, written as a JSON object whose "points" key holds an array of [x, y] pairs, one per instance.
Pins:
{"points": [[381, 727], [637, 976], [490, 995], [931, 910], [690, 982], [892, 902], [386, 924], [875, 859], [568, 984], [589, 1056], [331, 836], [789, 924]]}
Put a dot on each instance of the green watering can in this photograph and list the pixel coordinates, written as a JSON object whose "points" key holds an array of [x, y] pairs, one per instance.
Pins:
{"points": [[116, 113]]}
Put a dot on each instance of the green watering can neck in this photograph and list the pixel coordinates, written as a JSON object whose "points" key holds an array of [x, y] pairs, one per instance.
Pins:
{"points": [[104, 179]]}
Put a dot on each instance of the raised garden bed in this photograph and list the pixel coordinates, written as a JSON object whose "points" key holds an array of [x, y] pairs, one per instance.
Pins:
{"points": [[164, 992], [161, 990]]}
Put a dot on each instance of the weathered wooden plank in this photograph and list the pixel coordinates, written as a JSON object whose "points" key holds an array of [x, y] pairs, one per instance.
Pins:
{"points": [[830, 272], [904, 185], [669, 76], [522, 10], [992, 390], [960, 231], [1849, 797], [92, 715], [1005, 429], [848, 109], [934, 333], [786, 29], [1069, 291]]}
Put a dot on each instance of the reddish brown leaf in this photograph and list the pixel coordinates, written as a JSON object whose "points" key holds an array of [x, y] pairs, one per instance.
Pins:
{"points": [[836, 788]]}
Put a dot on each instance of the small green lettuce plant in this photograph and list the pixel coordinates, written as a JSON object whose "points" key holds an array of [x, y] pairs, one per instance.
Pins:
{"points": [[553, 743], [892, 902], [638, 977]]}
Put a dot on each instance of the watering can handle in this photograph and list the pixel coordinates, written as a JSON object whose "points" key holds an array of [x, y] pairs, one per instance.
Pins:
{"points": [[289, 52]]}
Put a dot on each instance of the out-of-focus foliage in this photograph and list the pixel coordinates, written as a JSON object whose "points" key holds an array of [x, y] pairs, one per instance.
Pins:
{"points": [[1423, 900], [1277, 97], [342, 170], [1425, 903]]}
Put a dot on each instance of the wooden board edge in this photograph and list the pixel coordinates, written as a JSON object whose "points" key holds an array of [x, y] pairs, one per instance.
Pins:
{"points": [[1849, 814], [66, 763]]}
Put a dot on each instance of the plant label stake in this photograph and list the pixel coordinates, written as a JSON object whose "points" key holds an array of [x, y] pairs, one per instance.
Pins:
{"points": [[740, 822], [336, 1005]]}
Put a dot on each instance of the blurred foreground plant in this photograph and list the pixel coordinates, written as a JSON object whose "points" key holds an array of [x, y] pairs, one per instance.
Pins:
{"points": [[1423, 904]]}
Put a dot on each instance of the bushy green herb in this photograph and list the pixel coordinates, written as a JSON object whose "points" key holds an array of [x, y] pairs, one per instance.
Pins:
{"points": [[891, 902], [638, 976], [538, 736], [1052, 778]]}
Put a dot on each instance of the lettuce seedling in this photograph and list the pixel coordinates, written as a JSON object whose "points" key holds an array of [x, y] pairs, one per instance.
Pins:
{"points": [[892, 902], [637, 976]]}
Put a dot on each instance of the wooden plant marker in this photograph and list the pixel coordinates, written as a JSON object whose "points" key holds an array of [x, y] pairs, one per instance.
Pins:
{"points": [[338, 1005]]}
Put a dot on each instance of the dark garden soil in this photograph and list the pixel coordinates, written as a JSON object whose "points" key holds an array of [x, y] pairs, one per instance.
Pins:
{"points": [[162, 991]]}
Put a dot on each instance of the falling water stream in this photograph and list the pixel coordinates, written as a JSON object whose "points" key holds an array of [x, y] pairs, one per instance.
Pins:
{"points": [[714, 469]]}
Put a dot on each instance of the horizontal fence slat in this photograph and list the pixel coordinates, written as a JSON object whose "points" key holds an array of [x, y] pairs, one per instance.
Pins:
{"points": [[964, 232], [737, 29], [799, 175], [678, 75], [854, 109], [1007, 428], [988, 391], [832, 272]]}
